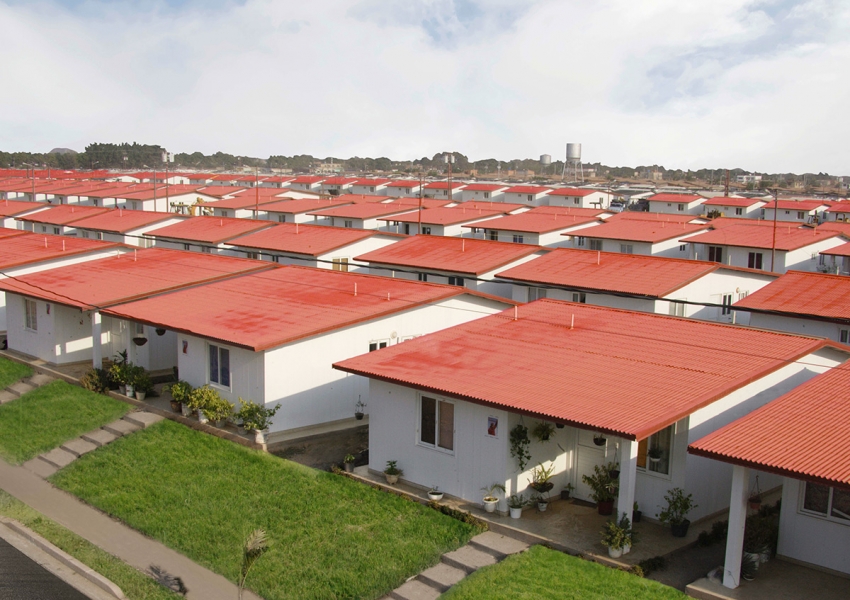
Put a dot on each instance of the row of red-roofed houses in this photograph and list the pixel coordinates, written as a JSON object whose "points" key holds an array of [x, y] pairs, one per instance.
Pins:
{"points": [[259, 331]]}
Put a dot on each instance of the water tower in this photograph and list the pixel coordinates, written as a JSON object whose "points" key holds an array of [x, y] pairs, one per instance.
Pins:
{"points": [[545, 161], [572, 166]]}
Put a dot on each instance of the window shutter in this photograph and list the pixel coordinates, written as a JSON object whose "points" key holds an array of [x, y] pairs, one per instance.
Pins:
{"points": [[428, 422], [641, 455]]}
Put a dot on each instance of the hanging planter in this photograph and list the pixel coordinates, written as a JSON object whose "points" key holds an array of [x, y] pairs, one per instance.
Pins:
{"points": [[543, 431], [599, 439], [160, 331], [140, 340]]}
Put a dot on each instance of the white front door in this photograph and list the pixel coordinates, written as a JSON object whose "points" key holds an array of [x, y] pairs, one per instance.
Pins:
{"points": [[588, 455]]}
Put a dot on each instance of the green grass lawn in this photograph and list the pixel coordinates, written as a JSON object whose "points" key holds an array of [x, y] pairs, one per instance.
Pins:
{"points": [[545, 573], [46, 417], [332, 537], [135, 585], [10, 372]]}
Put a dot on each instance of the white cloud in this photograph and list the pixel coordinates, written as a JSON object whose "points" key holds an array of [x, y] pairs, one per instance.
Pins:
{"points": [[725, 83]]}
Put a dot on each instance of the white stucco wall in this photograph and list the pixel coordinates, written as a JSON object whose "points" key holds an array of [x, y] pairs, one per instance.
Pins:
{"points": [[63, 335], [830, 331]]}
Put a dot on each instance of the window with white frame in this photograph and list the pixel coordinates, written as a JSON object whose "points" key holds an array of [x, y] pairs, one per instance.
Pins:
{"points": [[754, 260], [378, 344], [30, 308], [185, 246], [596, 245], [576, 200], [436, 423], [518, 238], [801, 214], [824, 501], [715, 254], [254, 255], [580, 297], [726, 302], [739, 211], [536, 293], [85, 234], [340, 264], [677, 309], [683, 247], [456, 281], [627, 249], [494, 235], [281, 218], [844, 336], [422, 276], [654, 452], [681, 208], [580, 241], [426, 230], [219, 365], [348, 223], [486, 194], [56, 231]]}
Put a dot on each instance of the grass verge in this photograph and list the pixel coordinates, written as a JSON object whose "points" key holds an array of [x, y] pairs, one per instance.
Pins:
{"points": [[545, 573], [46, 417], [331, 537], [134, 584], [11, 371]]}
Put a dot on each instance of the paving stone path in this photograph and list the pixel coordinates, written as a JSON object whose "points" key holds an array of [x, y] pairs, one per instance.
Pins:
{"points": [[483, 550]]}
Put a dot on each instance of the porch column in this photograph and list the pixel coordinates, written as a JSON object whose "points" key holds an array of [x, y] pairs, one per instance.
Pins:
{"points": [[737, 521], [96, 351], [628, 475]]}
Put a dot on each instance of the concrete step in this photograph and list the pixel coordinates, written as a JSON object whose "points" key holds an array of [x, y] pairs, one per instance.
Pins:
{"points": [[78, 446], [20, 388], [40, 379], [58, 458], [40, 467], [441, 576], [99, 437], [468, 559], [121, 427], [143, 418], [497, 545], [415, 590], [7, 396]]}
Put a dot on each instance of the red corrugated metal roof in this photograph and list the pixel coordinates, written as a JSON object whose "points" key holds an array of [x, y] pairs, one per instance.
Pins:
{"points": [[535, 222], [266, 310], [623, 372], [839, 207], [310, 240], [444, 215], [836, 226], [339, 180], [372, 181], [10, 208], [219, 191], [210, 230], [161, 192], [633, 215], [458, 255], [308, 179], [278, 179], [31, 248], [404, 183], [416, 202], [484, 187], [505, 207], [63, 214], [686, 198], [788, 237], [118, 220], [728, 201], [842, 250], [721, 222], [571, 210], [787, 436], [641, 231], [443, 185], [126, 277], [610, 271], [806, 205], [527, 189], [6, 232], [801, 293], [364, 211], [247, 200], [573, 192], [303, 205], [361, 198]]}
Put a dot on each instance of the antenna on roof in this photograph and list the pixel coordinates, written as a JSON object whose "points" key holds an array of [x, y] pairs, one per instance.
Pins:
{"points": [[516, 312], [355, 288], [45, 241], [63, 245], [388, 296], [598, 257], [134, 254], [221, 222], [296, 228], [572, 321], [463, 244]]}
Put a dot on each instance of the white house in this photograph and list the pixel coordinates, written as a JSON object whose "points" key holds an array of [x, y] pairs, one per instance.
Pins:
{"points": [[22, 253], [813, 304], [687, 204], [839, 211], [797, 211], [55, 314], [369, 186], [336, 186], [161, 199], [307, 183], [10, 210], [57, 220], [361, 216], [615, 382], [637, 236], [735, 208], [299, 211], [442, 221], [579, 198], [203, 234], [440, 190], [124, 226], [537, 228], [815, 509], [401, 187], [463, 262], [247, 205], [272, 337], [276, 181], [305, 245], [752, 246], [527, 195], [201, 178], [837, 260], [488, 192], [673, 286]]}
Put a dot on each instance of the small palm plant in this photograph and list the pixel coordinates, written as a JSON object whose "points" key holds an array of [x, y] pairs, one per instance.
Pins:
{"points": [[256, 544]]}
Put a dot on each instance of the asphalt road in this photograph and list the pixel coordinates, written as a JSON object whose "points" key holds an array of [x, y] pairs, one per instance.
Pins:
{"points": [[23, 579]]}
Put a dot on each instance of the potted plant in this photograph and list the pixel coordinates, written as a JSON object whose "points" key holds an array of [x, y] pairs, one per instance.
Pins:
{"points": [[515, 504], [132, 374], [519, 445], [654, 454], [755, 501], [179, 391], [749, 567], [678, 506], [613, 538], [604, 488], [358, 410], [392, 472], [490, 498], [142, 384], [119, 372], [566, 491], [542, 503], [629, 533], [217, 410], [348, 462], [599, 439], [200, 398], [257, 418], [636, 513], [434, 494], [615, 472], [541, 476], [543, 431]]}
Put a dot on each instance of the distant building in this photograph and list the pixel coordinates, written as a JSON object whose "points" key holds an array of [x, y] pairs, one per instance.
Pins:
{"points": [[748, 178]]}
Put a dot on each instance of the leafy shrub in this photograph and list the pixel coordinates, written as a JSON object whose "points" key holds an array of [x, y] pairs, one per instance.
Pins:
{"points": [[96, 380]]}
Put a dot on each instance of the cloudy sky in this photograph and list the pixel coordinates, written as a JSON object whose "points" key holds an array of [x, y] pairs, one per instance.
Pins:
{"points": [[688, 84]]}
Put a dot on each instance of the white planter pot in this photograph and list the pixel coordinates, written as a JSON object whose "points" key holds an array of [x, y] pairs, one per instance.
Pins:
{"points": [[435, 497], [187, 412], [627, 548], [754, 557], [391, 479], [490, 505], [542, 506], [140, 396], [516, 513], [615, 552], [122, 389], [260, 435], [131, 391], [202, 418]]}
